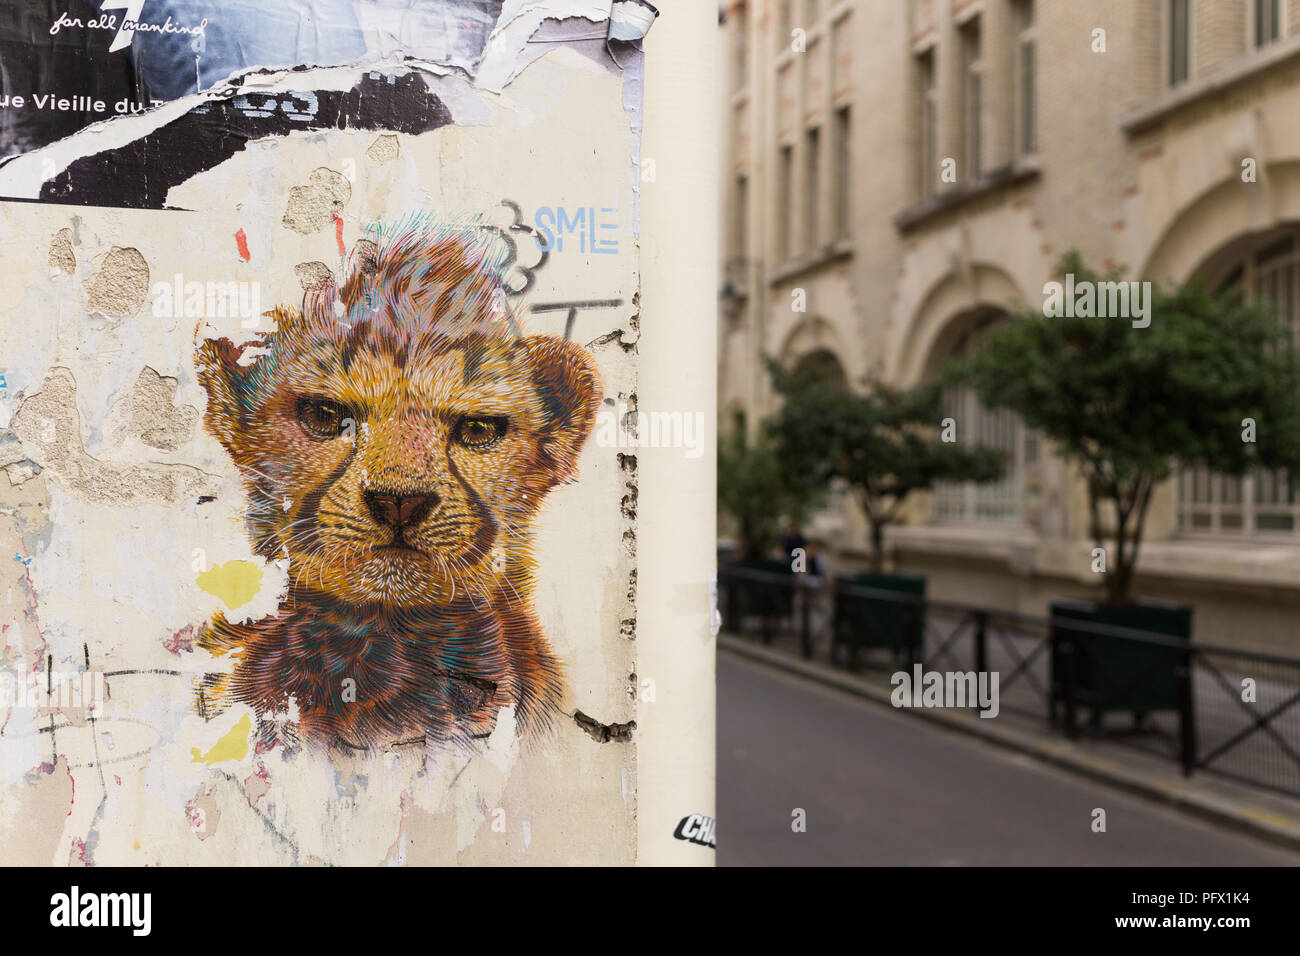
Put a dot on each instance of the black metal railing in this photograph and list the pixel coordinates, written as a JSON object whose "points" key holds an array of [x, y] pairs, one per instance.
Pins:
{"points": [[1231, 712]]}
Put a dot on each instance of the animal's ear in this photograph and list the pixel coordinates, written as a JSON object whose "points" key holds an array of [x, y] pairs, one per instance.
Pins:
{"points": [[229, 386], [568, 389]]}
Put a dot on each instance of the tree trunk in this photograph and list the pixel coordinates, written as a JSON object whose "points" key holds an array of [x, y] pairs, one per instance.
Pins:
{"points": [[1117, 582], [878, 547], [1129, 530]]}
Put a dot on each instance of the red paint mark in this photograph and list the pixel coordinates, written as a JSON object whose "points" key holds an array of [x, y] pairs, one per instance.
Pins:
{"points": [[338, 234], [195, 817], [256, 791], [79, 853], [241, 242], [182, 640]]}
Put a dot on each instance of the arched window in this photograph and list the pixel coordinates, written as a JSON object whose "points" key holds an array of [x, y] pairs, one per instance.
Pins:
{"points": [[1002, 500], [823, 366], [1266, 268]]}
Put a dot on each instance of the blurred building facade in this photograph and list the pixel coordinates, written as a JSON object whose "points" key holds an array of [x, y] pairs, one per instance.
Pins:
{"points": [[1120, 128]]}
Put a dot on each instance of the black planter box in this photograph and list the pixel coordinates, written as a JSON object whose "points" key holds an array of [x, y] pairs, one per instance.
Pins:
{"points": [[1106, 673], [866, 622], [768, 599]]}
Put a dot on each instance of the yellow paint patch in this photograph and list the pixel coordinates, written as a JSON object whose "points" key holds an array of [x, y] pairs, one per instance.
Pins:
{"points": [[1267, 817], [235, 582], [233, 746]]}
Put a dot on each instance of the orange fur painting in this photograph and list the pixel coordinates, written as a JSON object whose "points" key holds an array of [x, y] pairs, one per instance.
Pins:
{"points": [[396, 436]]}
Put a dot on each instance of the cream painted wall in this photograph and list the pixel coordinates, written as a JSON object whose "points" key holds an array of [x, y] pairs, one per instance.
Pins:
{"points": [[1127, 171], [101, 544]]}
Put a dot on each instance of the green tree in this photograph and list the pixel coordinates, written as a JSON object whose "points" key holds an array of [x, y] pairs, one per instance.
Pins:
{"points": [[884, 442], [1132, 404], [758, 492]]}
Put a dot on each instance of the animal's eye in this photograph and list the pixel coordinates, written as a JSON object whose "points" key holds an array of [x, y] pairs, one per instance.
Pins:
{"points": [[323, 419], [479, 431]]}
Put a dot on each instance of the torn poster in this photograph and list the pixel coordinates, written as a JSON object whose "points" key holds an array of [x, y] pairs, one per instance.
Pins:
{"points": [[315, 550]]}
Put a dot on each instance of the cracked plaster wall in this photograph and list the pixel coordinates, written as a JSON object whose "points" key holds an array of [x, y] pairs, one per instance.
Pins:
{"points": [[115, 502]]}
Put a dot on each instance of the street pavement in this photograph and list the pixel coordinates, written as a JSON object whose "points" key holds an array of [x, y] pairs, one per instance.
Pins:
{"points": [[879, 787]]}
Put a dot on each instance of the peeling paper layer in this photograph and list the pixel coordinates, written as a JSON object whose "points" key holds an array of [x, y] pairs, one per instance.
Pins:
{"points": [[211, 44]]}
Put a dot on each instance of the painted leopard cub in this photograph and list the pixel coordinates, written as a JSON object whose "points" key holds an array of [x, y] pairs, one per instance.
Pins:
{"points": [[396, 436]]}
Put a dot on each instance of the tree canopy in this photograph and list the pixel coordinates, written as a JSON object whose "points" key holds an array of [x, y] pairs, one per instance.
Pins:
{"points": [[1210, 381], [884, 442], [759, 493]]}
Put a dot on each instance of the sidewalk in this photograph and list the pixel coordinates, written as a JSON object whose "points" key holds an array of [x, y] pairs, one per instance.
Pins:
{"points": [[1269, 816]]}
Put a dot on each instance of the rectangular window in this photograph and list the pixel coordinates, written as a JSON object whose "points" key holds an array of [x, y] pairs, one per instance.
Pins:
{"points": [[1179, 41], [1262, 502], [997, 501], [812, 187], [1266, 22], [784, 185], [783, 25], [740, 219], [1000, 500], [928, 153], [1026, 104], [843, 172], [972, 75], [740, 64]]}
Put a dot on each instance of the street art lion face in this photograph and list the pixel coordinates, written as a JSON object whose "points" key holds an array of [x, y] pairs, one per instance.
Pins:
{"points": [[396, 437]]}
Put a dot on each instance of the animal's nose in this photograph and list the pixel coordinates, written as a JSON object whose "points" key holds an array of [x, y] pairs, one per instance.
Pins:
{"points": [[397, 511]]}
